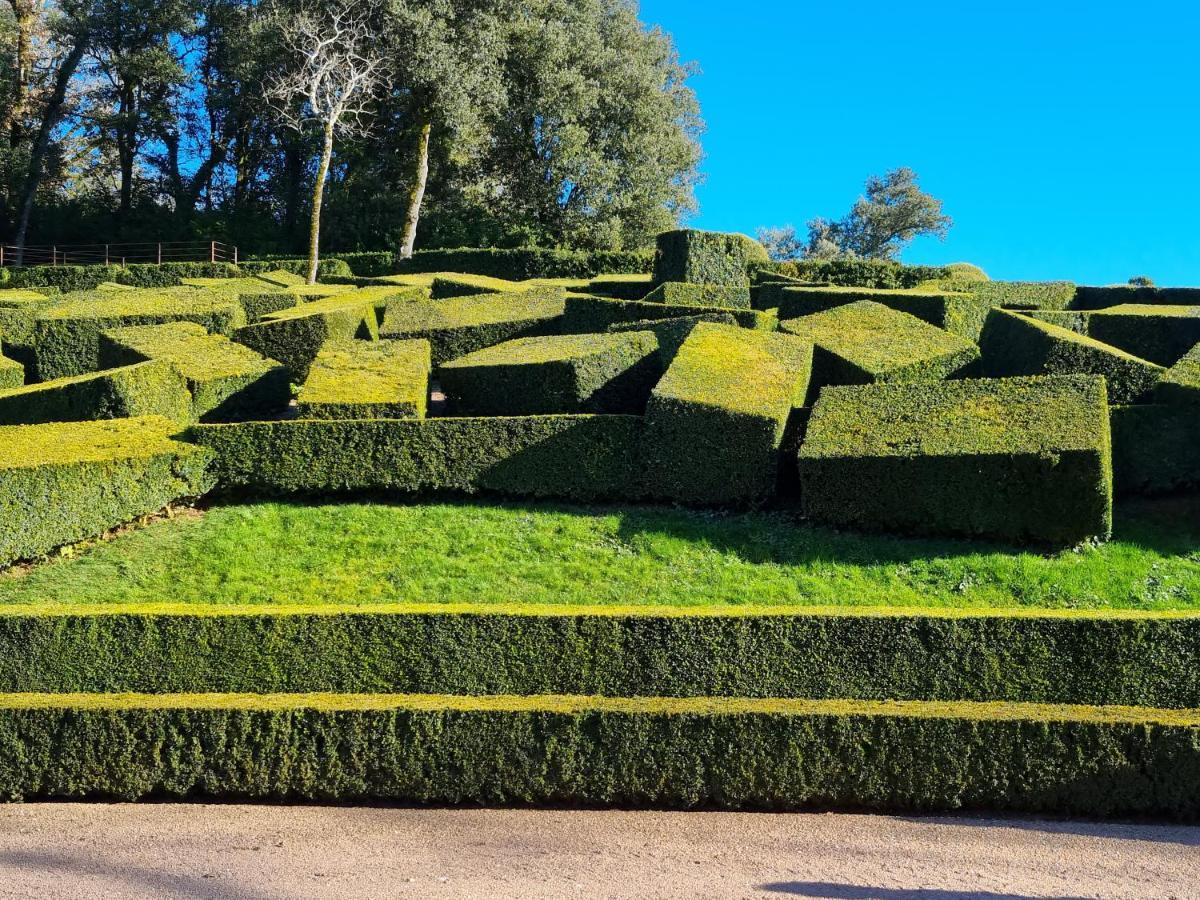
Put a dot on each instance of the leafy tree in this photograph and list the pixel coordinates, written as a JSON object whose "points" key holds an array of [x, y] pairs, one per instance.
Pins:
{"points": [[782, 242], [1142, 281]]}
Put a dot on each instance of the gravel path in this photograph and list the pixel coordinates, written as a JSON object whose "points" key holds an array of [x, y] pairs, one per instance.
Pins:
{"points": [[193, 851]]}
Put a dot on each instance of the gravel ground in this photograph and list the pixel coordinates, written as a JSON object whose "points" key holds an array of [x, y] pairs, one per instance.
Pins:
{"points": [[194, 850]]}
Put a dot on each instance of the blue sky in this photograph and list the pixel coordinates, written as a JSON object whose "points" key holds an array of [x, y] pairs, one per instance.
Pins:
{"points": [[1064, 137]]}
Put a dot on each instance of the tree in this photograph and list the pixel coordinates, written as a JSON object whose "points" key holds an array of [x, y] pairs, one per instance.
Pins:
{"points": [[335, 73], [781, 242]]}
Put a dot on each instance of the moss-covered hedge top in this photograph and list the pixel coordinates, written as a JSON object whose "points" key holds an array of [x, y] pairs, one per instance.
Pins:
{"points": [[200, 356], [552, 348], [1033, 415], [712, 365], [464, 312], [458, 285], [148, 302], [68, 443]]}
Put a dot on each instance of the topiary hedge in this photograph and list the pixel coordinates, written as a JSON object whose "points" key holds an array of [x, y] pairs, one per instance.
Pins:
{"points": [[63, 482], [855, 272], [621, 287], [569, 457], [12, 373], [1095, 298], [454, 285], [144, 389], [1154, 448], [1161, 334], [705, 257], [961, 314], [325, 267], [1048, 295], [367, 380], [86, 278], [1181, 383], [527, 262], [295, 336], [671, 333], [715, 422], [773, 754], [724, 296], [1013, 344], [583, 314], [574, 373], [1022, 459]]}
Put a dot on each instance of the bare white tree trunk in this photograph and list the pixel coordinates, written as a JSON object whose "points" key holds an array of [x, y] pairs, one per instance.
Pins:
{"points": [[314, 225], [417, 195]]}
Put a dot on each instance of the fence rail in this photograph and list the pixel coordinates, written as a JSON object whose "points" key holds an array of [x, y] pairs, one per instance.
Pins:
{"points": [[118, 254]]}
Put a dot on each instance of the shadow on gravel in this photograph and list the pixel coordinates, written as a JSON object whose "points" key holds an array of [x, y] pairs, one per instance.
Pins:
{"points": [[1151, 832], [834, 891]]}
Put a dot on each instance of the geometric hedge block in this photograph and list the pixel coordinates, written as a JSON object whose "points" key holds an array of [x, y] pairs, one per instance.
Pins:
{"points": [[716, 420], [145, 389], [1181, 384], [1154, 448], [961, 314], [722, 295], [586, 314], [590, 373], [1161, 334], [1013, 344], [12, 373], [367, 380], [295, 336], [1020, 459], [705, 257]]}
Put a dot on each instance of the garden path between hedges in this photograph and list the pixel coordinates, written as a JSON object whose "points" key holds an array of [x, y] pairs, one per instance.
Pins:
{"points": [[195, 851]]}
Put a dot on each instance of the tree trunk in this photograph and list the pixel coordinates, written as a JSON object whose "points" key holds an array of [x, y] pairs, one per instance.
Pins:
{"points": [[25, 19], [417, 194], [314, 226]]}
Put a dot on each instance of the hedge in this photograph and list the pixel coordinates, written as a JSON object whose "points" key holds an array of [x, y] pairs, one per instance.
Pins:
{"points": [[226, 379], [715, 422], [1161, 334], [621, 287], [1102, 297], [705, 257], [12, 373], [1181, 383], [866, 341], [569, 457], [894, 654], [653, 751], [1072, 320], [86, 278], [455, 285], [1022, 459], [367, 380], [528, 262], [719, 295], [1047, 295], [573, 373], [961, 314], [1154, 448], [325, 267], [584, 314], [462, 325], [1013, 344], [370, 263], [64, 482], [144, 389], [869, 273], [671, 333], [67, 334], [295, 336], [22, 298]]}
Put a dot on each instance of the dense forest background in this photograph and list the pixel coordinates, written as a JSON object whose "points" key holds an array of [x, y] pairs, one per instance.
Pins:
{"points": [[563, 123]]}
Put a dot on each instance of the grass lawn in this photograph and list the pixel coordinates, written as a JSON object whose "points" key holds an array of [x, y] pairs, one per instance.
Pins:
{"points": [[490, 553]]}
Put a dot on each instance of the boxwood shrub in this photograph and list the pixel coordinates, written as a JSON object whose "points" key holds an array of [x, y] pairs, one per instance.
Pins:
{"points": [[64, 482], [12, 373], [1048, 295], [456, 285], [367, 380], [705, 257], [1181, 383], [621, 287], [523, 263], [584, 314], [1021, 459], [296, 335], [671, 333], [1161, 334], [725, 296], [1154, 448], [1095, 298], [857, 272], [144, 389], [961, 314]]}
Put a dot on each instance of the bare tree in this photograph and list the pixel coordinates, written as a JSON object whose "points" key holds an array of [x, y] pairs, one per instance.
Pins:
{"points": [[329, 84]]}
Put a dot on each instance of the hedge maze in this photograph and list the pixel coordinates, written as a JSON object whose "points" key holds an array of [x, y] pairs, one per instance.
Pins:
{"points": [[857, 395]]}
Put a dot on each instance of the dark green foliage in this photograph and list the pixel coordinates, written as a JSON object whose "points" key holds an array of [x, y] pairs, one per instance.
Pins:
{"points": [[868, 273], [961, 314], [143, 389], [1013, 344], [716, 420], [65, 482], [863, 342], [1080, 659], [1017, 459], [370, 263], [528, 262], [1115, 295], [462, 325], [367, 380], [295, 336], [1181, 383], [671, 333], [259, 304], [585, 373], [86, 278], [652, 752], [585, 314], [570, 457], [1155, 448], [621, 287], [446, 286], [12, 373], [1050, 295], [325, 267], [1072, 320], [1161, 334], [717, 295], [226, 380], [705, 257]]}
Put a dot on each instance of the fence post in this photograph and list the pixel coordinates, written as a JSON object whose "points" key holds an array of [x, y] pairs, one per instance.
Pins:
{"points": [[106, 254], [212, 251], [53, 255], [1, 256], [235, 262], [160, 254]]}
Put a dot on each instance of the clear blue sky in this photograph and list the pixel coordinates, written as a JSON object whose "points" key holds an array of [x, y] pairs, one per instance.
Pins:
{"points": [[1064, 137]]}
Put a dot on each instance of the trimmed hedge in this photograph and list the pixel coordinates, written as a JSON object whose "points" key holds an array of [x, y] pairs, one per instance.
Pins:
{"points": [[226, 380], [524, 263], [1161, 334], [455, 285], [1088, 658], [143, 389], [961, 314], [864, 342], [376, 380], [856, 272], [12, 373], [325, 267], [462, 325], [569, 457], [86, 278], [585, 373], [1154, 448], [1181, 383], [678, 293], [621, 287], [583, 314], [716, 420], [256, 296], [705, 257], [1120, 294], [1013, 344], [1072, 320], [1023, 459], [730, 753], [671, 333], [67, 334], [295, 336], [64, 482], [22, 298], [1048, 295]]}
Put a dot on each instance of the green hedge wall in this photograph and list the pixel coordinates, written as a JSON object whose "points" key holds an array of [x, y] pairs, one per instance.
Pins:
{"points": [[1013, 344], [143, 389], [1161, 334], [1022, 459], [1181, 384], [868, 273], [653, 752], [86, 278], [64, 482], [572, 373], [295, 336], [1154, 448], [1072, 320], [585, 314], [325, 267], [367, 380], [960, 314], [528, 262], [617, 652], [678, 293], [705, 257], [1114, 295], [12, 373], [569, 457], [621, 287], [715, 422], [1048, 295], [671, 333]]}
